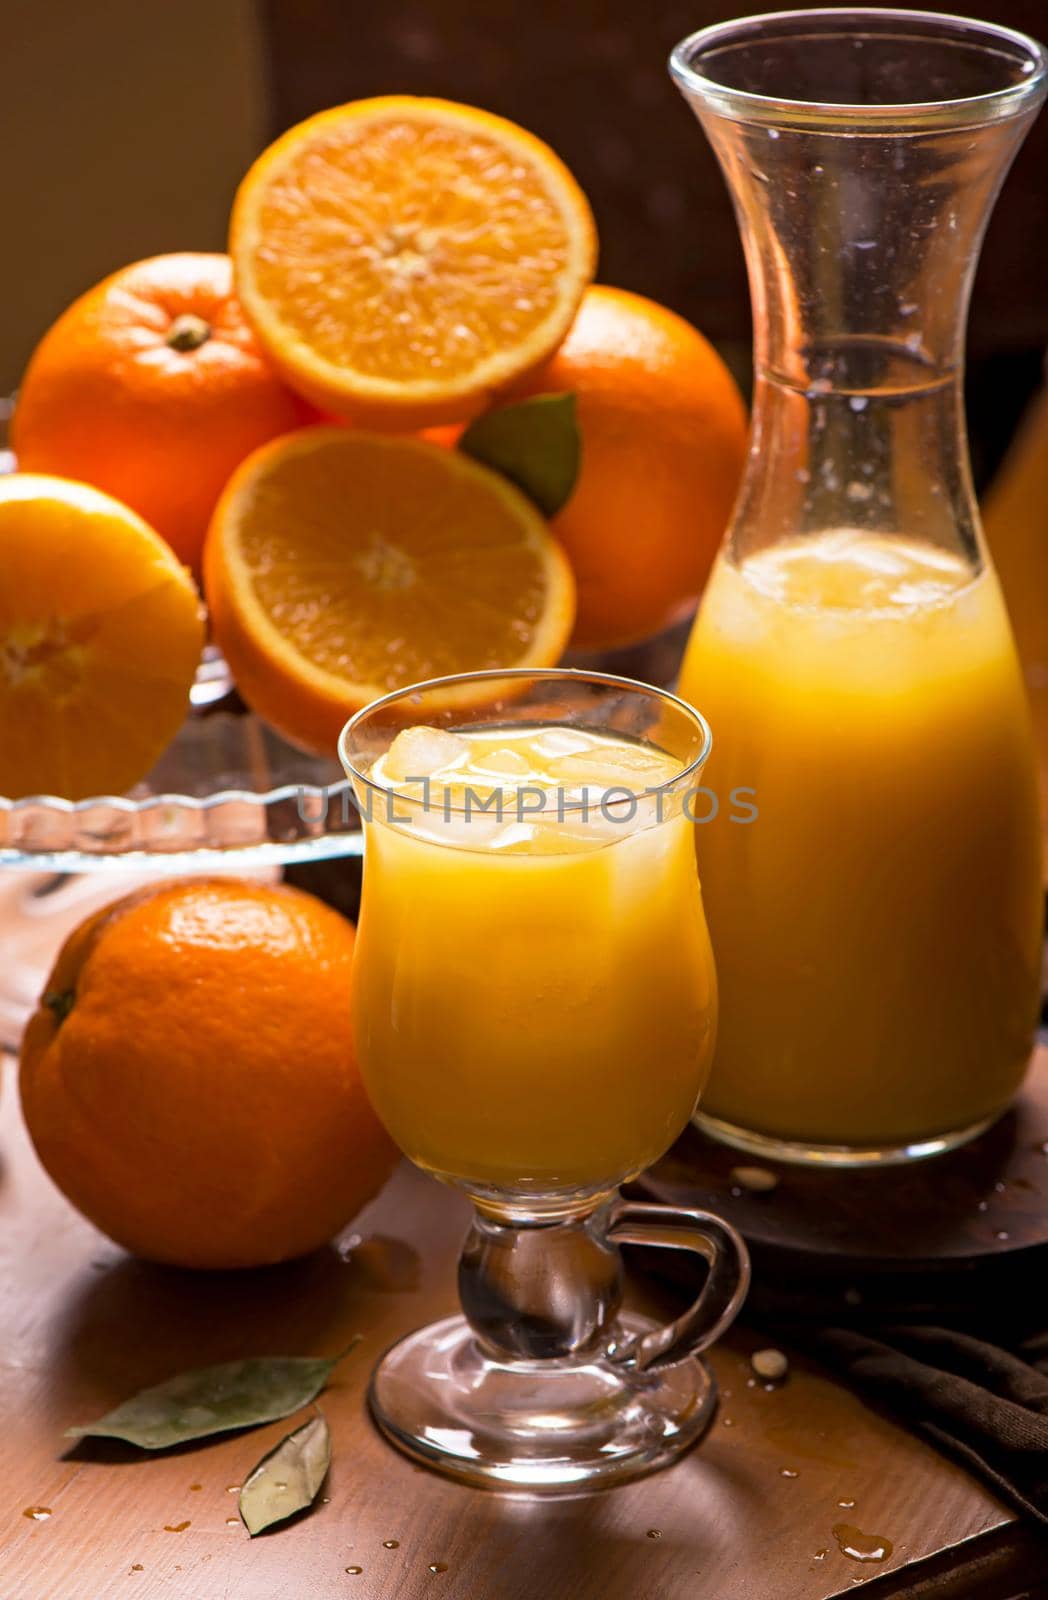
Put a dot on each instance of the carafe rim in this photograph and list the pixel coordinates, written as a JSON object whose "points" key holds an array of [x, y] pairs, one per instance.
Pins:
{"points": [[1021, 93]]}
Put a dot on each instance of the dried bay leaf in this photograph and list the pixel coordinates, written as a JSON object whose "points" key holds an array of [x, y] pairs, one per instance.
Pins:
{"points": [[288, 1479], [218, 1399]]}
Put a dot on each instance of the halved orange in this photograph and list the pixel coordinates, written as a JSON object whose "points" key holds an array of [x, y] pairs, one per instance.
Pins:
{"points": [[403, 259], [101, 630], [340, 565]]}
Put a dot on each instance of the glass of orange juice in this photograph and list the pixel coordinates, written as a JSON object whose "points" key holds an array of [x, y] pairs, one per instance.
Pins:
{"points": [[534, 1015]]}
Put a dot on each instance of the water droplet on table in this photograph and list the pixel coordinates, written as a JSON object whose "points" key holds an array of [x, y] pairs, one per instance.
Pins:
{"points": [[37, 1513], [788, 1472], [438, 1566], [232, 1522], [846, 1505], [391, 1544], [820, 1555], [654, 1533], [355, 1570], [232, 1488], [861, 1546]]}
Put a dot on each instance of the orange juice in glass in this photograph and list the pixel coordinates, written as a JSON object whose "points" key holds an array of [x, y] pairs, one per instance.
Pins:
{"points": [[534, 1015]]}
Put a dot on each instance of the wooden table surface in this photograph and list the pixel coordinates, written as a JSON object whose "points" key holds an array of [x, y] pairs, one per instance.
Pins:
{"points": [[750, 1513]]}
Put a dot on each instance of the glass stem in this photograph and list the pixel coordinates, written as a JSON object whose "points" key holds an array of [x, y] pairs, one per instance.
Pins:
{"points": [[541, 1291]]}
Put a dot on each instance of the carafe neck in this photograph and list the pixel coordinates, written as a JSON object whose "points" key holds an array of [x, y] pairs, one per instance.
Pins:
{"points": [[862, 224]]}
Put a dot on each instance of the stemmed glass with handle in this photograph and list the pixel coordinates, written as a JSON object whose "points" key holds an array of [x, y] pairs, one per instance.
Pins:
{"points": [[534, 1015]]}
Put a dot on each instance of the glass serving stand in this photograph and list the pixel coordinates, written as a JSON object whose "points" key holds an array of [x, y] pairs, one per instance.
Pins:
{"points": [[227, 786]]}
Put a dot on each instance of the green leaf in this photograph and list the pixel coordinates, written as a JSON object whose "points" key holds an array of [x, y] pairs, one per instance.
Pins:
{"points": [[288, 1479], [193, 1405], [534, 443]]}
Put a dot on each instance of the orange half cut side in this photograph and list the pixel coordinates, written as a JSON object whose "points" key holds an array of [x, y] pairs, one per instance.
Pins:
{"points": [[101, 630], [404, 259], [341, 565]]}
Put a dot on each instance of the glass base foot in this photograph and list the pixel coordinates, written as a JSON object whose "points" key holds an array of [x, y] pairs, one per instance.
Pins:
{"points": [[555, 1427], [803, 1153]]}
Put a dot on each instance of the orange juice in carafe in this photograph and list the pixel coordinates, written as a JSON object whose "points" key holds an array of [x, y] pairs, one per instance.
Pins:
{"points": [[877, 928]]}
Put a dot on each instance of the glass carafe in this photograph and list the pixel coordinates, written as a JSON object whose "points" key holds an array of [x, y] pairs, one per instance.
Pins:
{"points": [[877, 920]]}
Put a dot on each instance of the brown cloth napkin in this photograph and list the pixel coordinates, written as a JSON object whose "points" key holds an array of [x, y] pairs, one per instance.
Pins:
{"points": [[980, 1395]]}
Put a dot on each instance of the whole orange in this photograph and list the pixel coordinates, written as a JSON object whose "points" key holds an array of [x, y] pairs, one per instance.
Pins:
{"points": [[663, 430], [188, 1078], [152, 387]]}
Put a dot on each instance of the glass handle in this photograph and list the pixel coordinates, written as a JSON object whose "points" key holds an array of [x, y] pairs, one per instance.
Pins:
{"points": [[721, 1296]]}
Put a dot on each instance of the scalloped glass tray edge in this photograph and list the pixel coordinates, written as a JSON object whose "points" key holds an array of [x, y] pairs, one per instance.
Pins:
{"points": [[228, 789]]}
